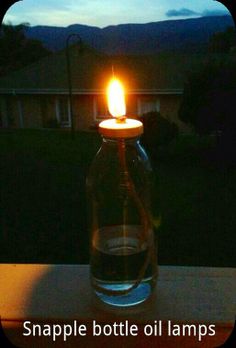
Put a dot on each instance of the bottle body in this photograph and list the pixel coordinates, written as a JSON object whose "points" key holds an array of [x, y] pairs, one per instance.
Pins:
{"points": [[123, 256]]}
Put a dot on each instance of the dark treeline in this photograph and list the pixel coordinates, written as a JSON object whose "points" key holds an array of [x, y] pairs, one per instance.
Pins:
{"points": [[17, 51]]}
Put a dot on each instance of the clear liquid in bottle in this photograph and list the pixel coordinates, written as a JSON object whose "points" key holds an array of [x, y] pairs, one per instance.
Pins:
{"points": [[121, 265]]}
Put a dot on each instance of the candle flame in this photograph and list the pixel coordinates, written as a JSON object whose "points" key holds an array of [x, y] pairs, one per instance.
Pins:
{"points": [[116, 98]]}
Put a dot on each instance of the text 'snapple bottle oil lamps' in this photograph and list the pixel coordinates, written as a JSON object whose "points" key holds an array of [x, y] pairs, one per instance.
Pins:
{"points": [[123, 262]]}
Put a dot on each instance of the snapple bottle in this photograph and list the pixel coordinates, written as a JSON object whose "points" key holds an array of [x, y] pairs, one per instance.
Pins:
{"points": [[123, 253]]}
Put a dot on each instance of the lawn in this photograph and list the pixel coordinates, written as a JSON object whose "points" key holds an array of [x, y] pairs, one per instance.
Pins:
{"points": [[43, 200]]}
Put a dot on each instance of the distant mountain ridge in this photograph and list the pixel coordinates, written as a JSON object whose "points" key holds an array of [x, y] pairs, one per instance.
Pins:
{"points": [[171, 35]]}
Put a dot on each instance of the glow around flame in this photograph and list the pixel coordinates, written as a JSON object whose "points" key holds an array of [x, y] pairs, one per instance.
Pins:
{"points": [[116, 98]]}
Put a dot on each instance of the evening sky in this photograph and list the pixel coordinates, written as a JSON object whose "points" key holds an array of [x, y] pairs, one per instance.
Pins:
{"points": [[102, 13]]}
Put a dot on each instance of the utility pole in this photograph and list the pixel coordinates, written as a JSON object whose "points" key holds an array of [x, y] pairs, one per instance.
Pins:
{"points": [[68, 63]]}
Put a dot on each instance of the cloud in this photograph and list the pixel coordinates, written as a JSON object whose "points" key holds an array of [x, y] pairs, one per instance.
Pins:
{"points": [[183, 12], [186, 12]]}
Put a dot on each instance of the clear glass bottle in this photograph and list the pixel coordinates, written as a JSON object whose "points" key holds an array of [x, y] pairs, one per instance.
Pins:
{"points": [[123, 255]]}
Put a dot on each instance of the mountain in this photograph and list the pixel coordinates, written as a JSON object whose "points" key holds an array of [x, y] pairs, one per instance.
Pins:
{"points": [[171, 35]]}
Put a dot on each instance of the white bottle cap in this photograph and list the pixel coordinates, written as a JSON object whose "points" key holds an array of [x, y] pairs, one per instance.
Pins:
{"points": [[129, 128]]}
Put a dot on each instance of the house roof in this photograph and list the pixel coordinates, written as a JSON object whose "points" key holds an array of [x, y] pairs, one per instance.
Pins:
{"points": [[90, 72]]}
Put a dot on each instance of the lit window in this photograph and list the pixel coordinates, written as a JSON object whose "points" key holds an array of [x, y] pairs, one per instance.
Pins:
{"points": [[63, 111], [148, 104], [100, 107]]}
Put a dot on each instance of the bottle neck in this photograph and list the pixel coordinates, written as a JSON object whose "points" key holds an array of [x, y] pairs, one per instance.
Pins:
{"points": [[115, 141]]}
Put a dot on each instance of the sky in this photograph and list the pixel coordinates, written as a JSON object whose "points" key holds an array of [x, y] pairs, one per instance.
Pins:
{"points": [[102, 13]]}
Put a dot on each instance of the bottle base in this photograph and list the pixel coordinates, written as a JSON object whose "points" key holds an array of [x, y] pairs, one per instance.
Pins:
{"points": [[134, 297]]}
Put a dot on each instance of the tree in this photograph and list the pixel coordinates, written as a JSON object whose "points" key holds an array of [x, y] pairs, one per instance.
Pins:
{"points": [[16, 50], [158, 131], [196, 98], [223, 42], [209, 103]]}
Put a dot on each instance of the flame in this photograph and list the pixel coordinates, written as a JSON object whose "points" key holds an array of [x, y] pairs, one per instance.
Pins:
{"points": [[116, 98]]}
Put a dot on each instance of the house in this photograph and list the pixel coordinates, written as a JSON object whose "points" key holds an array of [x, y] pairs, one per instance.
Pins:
{"points": [[37, 96]]}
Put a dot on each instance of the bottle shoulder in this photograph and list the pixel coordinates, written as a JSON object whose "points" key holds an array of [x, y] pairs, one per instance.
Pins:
{"points": [[111, 164]]}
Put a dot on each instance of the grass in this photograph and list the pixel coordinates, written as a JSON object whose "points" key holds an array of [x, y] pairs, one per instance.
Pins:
{"points": [[43, 201]]}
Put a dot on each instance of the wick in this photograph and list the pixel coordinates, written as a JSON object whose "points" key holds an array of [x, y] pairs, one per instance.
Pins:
{"points": [[121, 119]]}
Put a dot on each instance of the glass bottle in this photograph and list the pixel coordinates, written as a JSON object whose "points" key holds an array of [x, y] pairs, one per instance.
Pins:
{"points": [[123, 255]]}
